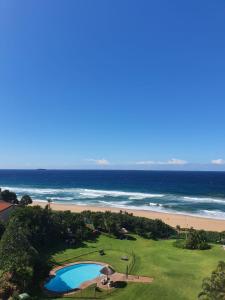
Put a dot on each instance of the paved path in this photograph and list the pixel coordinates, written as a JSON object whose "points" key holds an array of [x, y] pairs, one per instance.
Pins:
{"points": [[117, 277]]}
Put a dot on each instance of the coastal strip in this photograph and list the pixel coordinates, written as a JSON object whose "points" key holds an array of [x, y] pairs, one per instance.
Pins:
{"points": [[184, 221]]}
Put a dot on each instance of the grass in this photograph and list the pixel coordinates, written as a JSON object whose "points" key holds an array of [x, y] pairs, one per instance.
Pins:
{"points": [[177, 273]]}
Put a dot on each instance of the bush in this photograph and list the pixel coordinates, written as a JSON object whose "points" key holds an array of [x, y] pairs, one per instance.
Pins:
{"points": [[10, 197], [195, 240], [204, 246], [31, 229], [26, 200], [2, 229], [113, 222], [214, 287], [179, 244], [210, 236]]}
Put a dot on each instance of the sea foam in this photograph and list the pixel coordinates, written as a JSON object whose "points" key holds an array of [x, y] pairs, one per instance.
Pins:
{"points": [[84, 193], [170, 203], [205, 199]]}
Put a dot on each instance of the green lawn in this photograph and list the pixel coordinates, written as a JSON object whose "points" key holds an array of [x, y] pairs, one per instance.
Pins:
{"points": [[177, 273]]}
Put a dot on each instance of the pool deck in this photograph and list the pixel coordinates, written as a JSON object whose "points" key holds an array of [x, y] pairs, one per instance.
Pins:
{"points": [[116, 277]]}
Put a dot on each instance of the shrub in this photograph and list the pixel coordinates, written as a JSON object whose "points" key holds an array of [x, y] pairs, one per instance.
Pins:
{"points": [[2, 229], [25, 200], [195, 240], [10, 197], [214, 286]]}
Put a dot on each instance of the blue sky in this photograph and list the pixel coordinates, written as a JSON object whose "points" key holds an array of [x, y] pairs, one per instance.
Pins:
{"points": [[112, 84]]}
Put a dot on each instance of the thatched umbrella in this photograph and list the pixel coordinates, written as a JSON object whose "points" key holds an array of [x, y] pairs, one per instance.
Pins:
{"points": [[107, 270], [124, 230]]}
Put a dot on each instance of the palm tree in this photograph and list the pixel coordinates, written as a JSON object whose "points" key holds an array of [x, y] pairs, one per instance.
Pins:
{"points": [[49, 203]]}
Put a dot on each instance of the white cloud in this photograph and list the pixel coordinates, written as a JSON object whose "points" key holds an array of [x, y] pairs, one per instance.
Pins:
{"points": [[145, 162], [173, 161], [100, 162], [219, 161]]}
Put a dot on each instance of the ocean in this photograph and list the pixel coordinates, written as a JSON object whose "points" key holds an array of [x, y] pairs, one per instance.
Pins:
{"points": [[193, 193]]}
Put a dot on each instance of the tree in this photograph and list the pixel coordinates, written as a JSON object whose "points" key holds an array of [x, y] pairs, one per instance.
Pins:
{"points": [[49, 203], [38, 224], [17, 256], [26, 200], [7, 287], [196, 240], [178, 228], [10, 197], [213, 288], [2, 229]]}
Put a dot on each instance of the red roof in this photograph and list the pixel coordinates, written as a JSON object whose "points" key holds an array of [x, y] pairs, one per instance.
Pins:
{"points": [[4, 205]]}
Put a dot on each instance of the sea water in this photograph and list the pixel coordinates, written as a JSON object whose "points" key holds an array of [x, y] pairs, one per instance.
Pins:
{"points": [[195, 193]]}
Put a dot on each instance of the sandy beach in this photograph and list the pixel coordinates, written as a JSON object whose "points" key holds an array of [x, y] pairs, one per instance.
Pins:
{"points": [[171, 219]]}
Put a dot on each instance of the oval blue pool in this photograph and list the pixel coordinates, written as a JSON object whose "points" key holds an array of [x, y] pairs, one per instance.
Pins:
{"points": [[71, 277]]}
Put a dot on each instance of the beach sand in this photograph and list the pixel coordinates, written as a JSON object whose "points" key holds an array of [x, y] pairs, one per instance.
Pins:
{"points": [[185, 221]]}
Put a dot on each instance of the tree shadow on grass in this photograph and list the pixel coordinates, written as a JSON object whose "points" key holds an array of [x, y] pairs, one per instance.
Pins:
{"points": [[120, 284], [131, 238], [62, 246], [59, 248]]}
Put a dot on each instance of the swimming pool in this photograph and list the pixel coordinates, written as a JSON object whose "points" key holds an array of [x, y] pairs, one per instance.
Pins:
{"points": [[71, 277]]}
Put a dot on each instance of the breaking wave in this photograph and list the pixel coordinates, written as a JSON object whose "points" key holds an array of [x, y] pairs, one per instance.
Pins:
{"points": [[204, 206], [82, 193], [205, 199]]}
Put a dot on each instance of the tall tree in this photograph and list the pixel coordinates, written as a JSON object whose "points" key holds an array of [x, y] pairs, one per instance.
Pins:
{"points": [[17, 256], [2, 229], [25, 200], [213, 288], [196, 240], [8, 196]]}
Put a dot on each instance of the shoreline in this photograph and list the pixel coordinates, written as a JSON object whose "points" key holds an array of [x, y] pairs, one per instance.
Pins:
{"points": [[184, 221]]}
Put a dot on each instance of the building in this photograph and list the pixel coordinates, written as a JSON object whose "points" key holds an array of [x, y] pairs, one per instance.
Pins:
{"points": [[5, 210]]}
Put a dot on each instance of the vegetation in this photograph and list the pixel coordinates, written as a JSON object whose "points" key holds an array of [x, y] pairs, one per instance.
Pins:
{"points": [[32, 230], [11, 197], [214, 237], [213, 288], [8, 196], [25, 200], [209, 236], [113, 222], [35, 239], [17, 257], [22, 244], [2, 228], [195, 239], [177, 273]]}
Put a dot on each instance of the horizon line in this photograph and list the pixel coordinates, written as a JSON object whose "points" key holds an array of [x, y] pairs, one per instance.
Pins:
{"points": [[97, 169]]}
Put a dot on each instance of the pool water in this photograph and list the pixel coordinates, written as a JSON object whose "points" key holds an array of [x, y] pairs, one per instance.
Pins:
{"points": [[73, 276]]}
